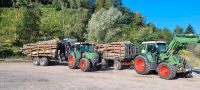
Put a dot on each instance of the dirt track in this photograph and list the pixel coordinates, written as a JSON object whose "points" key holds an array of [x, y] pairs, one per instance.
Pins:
{"points": [[25, 76]]}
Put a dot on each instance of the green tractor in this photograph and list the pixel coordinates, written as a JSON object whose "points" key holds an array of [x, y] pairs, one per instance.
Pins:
{"points": [[157, 55], [84, 57]]}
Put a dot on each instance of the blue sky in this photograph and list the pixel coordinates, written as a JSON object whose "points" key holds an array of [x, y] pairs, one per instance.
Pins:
{"points": [[168, 13]]}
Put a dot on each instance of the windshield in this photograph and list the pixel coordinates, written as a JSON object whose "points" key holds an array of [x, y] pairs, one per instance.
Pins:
{"points": [[161, 47], [87, 48]]}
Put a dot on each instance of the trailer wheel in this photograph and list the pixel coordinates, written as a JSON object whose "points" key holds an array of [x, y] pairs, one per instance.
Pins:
{"points": [[141, 65], [36, 61], [117, 65], [72, 61], [84, 65], [44, 61], [166, 71]]}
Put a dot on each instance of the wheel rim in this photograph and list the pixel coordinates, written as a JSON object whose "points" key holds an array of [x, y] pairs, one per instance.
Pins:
{"points": [[70, 60], [139, 65], [116, 66], [35, 61], [164, 71], [42, 62], [82, 64]]}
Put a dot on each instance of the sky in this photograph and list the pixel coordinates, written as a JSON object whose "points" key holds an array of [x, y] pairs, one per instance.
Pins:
{"points": [[168, 13]]}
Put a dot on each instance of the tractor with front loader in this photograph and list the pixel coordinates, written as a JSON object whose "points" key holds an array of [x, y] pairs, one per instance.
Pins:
{"points": [[84, 57], [163, 58]]}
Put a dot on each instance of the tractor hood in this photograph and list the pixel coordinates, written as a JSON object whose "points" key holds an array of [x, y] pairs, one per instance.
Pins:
{"points": [[89, 55]]}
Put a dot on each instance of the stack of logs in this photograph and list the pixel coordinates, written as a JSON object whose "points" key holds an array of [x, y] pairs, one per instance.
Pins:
{"points": [[112, 50], [41, 48]]}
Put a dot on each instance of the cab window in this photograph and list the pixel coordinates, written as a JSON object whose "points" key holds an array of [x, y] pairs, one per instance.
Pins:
{"points": [[151, 48]]}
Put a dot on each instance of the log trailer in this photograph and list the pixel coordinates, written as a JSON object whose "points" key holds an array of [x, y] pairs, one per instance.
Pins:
{"points": [[117, 54], [157, 56], [43, 53]]}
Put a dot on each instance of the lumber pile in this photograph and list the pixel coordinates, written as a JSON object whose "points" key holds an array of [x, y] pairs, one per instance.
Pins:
{"points": [[41, 48], [112, 50]]}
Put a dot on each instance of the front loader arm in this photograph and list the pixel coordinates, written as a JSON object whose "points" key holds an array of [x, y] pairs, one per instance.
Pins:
{"points": [[180, 40]]}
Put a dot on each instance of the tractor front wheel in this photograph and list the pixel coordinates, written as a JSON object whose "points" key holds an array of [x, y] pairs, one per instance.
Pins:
{"points": [[141, 65], [84, 65], [166, 71], [72, 61]]}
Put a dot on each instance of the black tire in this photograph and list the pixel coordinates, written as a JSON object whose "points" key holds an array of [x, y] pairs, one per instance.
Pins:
{"points": [[98, 67], [72, 62], [141, 65], [117, 65], [36, 61], [166, 71], [44, 61], [84, 65]]}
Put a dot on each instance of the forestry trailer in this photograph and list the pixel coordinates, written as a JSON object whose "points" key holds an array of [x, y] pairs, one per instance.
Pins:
{"points": [[117, 54], [156, 55], [43, 53]]}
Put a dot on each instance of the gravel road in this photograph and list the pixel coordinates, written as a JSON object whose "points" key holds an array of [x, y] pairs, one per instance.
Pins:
{"points": [[25, 76]]}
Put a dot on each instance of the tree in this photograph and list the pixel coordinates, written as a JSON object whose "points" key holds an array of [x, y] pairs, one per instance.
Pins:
{"points": [[73, 4], [22, 3], [5, 3], [28, 31], [61, 4], [152, 27], [178, 30], [118, 4], [45, 1], [104, 27], [74, 23], [109, 3], [99, 4], [85, 4], [189, 30], [138, 20]]}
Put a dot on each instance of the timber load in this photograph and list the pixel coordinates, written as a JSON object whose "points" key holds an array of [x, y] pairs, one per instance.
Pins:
{"points": [[114, 50], [41, 48]]}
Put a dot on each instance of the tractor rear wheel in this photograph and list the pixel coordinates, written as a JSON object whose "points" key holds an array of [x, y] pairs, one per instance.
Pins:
{"points": [[72, 61], [36, 61], [84, 65], [117, 65], [166, 71], [141, 65], [44, 61]]}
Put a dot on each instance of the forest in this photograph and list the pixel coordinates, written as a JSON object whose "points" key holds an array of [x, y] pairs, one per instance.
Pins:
{"points": [[96, 21]]}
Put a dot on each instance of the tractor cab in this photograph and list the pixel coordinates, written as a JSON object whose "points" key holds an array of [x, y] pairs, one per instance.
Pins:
{"points": [[154, 47], [85, 47]]}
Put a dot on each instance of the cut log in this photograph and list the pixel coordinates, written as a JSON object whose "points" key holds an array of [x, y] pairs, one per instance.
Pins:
{"points": [[112, 50], [41, 48]]}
